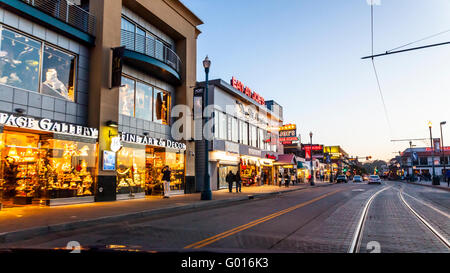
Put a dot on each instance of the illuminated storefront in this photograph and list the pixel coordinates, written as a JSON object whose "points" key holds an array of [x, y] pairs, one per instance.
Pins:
{"points": [[46, 162], [140, 163]]}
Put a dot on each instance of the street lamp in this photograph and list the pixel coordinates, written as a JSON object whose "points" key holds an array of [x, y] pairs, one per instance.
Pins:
{"points": [[206, 193], [434, 182], [443, 152], [311, 162]]}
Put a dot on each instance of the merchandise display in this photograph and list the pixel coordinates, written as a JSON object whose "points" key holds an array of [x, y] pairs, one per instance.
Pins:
{"points": [[37, 167], [130, 170]]}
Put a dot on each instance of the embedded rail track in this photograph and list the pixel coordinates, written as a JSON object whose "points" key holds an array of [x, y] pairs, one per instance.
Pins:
{"points": [[358, 234]]}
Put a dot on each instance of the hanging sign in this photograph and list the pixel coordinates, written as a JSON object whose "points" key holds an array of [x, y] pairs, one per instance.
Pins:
{"points": [[115, 144]]}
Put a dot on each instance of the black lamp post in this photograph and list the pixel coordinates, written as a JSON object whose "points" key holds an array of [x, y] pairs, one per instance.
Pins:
{"points": [[311, 158], [442, 150], [434, 181], [206, 193]]}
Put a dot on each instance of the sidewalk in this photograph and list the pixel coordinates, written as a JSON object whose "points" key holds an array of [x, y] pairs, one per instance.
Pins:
{"points": [[443, 185], [25, 222]]}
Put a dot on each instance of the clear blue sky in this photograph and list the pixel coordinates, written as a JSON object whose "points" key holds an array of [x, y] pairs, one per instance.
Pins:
{"points": [[306, 55]]}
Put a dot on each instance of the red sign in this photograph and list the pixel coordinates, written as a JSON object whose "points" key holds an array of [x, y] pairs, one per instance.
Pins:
{"points": [[428, 149], [247, 91], [307, 147], [284, 139], [271, 156]]}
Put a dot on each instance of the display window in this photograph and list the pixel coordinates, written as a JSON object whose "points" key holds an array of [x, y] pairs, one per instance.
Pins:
{"points": [[36, 66], [37, 167], [130, 170], [162, 106], [249, 172], [156, 159]]}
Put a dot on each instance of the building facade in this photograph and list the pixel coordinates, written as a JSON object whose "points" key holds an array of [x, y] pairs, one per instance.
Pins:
{"points": [[420, 160], [243, 138], [67, 134]]}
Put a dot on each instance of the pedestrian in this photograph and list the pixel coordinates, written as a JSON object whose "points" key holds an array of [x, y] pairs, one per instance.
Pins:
{"points": [[166, 181], [230, 178], [293, 179], [238, 181], [287, 179], [280, 179]]}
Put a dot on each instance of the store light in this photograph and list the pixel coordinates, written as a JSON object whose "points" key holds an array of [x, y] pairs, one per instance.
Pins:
{"points": [[112, 123], [13, 152]]}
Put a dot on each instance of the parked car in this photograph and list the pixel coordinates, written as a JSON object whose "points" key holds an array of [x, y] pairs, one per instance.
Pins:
{"points": [[357, 178], [374, 179], [341, 178], [365, 178]]}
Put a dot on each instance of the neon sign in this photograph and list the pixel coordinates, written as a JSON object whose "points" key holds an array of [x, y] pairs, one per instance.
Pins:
{"points": [[247, 91]]}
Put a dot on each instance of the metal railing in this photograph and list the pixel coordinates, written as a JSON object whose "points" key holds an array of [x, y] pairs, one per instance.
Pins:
{"points": [[67, 12], [151, 47]]}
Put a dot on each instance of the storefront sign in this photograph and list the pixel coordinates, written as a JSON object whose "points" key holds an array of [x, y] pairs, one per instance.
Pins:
{"points": [[47, 125], [288, 134], [109, 161], [254, 152], [231, 147], [116, 73], [269, 156], [115, 144], [133, 138], [247, 91]]}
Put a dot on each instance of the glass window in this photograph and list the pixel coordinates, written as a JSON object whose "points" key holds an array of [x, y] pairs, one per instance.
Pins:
{"points": [[130, 170], [127, 34], [423, 160], [244, 133], [162, 107], [230, 127], [144, 99], [234, 130], [140, 40], [260, 138], [222, 126], [253, 136], [19, 60], [58, 73], [150, 44], [126, 97], [216, 124], [159, 51]]}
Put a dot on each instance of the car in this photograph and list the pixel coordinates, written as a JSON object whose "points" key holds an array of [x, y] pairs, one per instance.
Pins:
{"points": [[357, 178], [341, 178], [374, 179], [365, 178]]}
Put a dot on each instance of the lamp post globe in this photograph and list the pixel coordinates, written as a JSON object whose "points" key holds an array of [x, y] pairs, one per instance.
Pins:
{"points": [[206, 193]]}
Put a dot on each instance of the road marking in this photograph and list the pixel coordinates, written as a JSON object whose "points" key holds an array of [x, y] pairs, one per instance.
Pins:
{"points": [[235, 230], [357, 236], [439, 235], [358, 190]]}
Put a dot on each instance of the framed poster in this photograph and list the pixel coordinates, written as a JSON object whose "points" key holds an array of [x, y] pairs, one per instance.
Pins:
{"points": [[109, 161]]}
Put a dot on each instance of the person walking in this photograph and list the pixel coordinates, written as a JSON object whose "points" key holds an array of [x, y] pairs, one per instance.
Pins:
{"points": [[166, 181], [238, 181], [230, 178], [280, 179], [287, 179]]}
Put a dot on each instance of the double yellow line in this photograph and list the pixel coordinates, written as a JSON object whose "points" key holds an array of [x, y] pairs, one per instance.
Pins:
{"points": [[235, 230]]}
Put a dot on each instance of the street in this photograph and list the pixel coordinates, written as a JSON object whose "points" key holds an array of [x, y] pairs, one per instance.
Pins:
{"points": [[340, 218]]}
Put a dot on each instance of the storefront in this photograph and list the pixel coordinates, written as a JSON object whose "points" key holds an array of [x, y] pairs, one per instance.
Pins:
{"points": [[46, 162], [286, 164], [140, 164]]}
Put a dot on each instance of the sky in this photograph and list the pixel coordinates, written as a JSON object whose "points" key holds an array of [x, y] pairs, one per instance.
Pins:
{"points": [[306, 55]]}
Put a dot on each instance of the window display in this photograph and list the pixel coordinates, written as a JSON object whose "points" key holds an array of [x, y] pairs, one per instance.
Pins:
{"points": [[162, 106], [143, 101], [156, 159], [21, 65], [130, 170], [39, 167], [249, 172], [19, 60], [58, 73]]}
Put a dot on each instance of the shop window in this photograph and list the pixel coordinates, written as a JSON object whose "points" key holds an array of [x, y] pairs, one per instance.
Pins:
{"points": [[156, 159], [36, 168], [130, 170], [222, 126], [19, 60], [126, 97], [58, 73], [162, 107], [143, 101]]}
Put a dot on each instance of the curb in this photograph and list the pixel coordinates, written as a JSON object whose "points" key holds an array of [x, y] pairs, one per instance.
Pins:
{"points": [[425, 185], [23, 234]]}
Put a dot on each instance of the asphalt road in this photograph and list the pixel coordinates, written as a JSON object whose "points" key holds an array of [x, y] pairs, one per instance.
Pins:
{"points": [[323, 219]]}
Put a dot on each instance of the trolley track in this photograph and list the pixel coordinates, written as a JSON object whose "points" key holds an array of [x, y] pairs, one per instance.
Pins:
{"points": [[358, 234]]}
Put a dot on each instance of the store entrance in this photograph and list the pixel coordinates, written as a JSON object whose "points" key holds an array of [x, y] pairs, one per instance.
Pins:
{"points": [[266, 175], [223, 172]]}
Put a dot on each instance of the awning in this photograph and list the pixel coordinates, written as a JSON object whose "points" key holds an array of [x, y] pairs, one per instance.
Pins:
{"points": [[284, 159]]}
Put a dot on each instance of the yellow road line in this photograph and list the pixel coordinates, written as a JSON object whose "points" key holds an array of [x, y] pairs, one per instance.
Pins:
{"points": [[235, 230]]}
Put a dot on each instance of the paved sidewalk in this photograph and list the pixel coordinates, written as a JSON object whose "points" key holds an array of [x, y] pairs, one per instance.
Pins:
{"points": [[24, 222], [443, 185]]}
